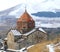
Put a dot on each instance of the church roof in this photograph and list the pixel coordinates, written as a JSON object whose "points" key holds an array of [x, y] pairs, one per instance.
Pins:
{"points": [[26, 34], [25, 16], [40, 29], [16, 33]]}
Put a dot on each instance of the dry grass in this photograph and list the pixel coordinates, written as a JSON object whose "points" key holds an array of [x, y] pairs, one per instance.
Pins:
{"points": [[41, 47], [57, 50]]}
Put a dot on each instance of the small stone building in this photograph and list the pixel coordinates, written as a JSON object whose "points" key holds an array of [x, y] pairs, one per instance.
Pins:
{"points": [[25, 34]]}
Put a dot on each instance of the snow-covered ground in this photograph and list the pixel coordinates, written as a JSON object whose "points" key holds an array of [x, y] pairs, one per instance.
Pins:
{"points": [[51, 48], [2, 51]]}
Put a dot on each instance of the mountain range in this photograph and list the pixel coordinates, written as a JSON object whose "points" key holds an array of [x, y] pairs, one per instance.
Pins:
{"points": [[42, 18], [47, 14]]}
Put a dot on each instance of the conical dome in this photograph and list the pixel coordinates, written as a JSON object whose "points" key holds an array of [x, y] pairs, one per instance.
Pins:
{"points": [[25, 23], [25, 17]]}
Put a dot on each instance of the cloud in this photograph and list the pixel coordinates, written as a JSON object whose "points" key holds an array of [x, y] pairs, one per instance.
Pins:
{"points": [[4, 4], [32, 5]]}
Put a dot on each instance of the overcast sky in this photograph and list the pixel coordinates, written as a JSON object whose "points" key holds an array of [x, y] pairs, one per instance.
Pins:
{"points": [[34, 5]]}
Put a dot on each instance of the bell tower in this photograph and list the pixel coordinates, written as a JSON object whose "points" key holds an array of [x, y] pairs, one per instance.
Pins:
{"points": [[25, 23]]}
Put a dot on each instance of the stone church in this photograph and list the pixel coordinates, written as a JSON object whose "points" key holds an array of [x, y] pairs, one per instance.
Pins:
{"points": [[25, 34]]}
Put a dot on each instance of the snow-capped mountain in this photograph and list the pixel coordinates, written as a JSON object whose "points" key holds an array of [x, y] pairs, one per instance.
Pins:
{"points": [[42, 5], [47, 22], [41, 21], [47, 14]]}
